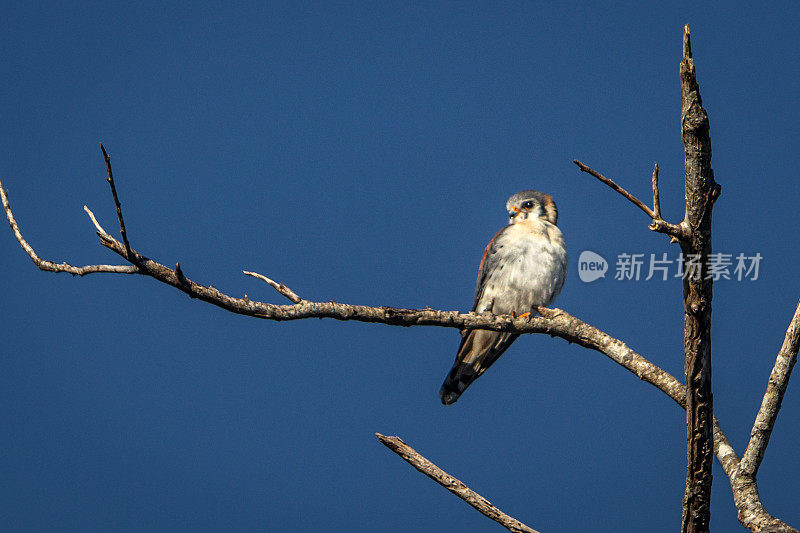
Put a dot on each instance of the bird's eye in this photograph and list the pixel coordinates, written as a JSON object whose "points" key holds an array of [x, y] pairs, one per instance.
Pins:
{"points": [[527, 205]]}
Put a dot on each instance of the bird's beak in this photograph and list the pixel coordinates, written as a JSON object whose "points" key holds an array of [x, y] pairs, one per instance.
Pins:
{"points": [[513, 211]]}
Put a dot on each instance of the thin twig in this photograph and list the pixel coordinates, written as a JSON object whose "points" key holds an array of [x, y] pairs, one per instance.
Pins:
{"points": [[771, 403], [478, 502], [656, 199], [677, 232], [49, 266], [280, 287], [638, 203], [100, 230], [110, 180]]}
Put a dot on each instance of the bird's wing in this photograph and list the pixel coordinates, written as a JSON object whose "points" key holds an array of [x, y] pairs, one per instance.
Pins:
{"points": [[489, 262], [479, 348]]}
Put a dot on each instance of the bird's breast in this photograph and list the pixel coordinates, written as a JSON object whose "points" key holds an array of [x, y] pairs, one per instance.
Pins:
{"points": [[532, 266]]}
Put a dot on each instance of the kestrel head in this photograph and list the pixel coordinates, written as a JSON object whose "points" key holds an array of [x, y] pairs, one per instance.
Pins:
{"points": [[532, 205]]}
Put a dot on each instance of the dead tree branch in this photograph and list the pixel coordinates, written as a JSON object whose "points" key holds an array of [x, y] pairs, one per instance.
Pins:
{"points": [[677, 232], [694, 236], [280, 287], [49, 266], [743, 481], [656, 198], [771, 403], [110, 180], [701, 193], [481, 504], [554, 322]]}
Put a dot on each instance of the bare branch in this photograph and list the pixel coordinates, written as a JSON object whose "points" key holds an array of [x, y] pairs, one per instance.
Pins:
{"points": [[677, 232], [100, 231], [554, 322], [280, 287], [701, 193], [694, 234], [49, 266], [656, 199], [638, 203], [110, 180], [481, 504], [771, 403]]}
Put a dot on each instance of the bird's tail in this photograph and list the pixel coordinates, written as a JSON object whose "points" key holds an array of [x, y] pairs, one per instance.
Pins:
{"points": [[479, 349]]}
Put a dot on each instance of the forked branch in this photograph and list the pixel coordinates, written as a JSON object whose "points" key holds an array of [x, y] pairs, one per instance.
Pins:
{"points": [[694, 236], [677, 232], [50, 266]]}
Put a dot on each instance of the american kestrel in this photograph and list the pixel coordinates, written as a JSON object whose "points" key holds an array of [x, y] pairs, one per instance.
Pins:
{"points": [[523, 266]]}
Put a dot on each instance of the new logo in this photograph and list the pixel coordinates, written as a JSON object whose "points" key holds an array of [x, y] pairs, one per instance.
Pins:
{"points": [[591, 266]]}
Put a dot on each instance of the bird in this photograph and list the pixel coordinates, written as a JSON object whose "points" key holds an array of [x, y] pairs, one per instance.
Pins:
{"points": [[524, 266]]}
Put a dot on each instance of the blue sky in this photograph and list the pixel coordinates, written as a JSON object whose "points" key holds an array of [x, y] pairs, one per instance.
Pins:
{"points": [[364, 154]]}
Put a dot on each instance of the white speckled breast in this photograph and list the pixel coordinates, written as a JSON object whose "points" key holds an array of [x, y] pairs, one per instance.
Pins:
{"points": [[531, 260]]}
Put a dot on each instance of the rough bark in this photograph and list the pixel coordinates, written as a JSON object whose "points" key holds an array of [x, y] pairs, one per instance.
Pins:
{"points": [[743, 480], [701, 192], [771, 403]]}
